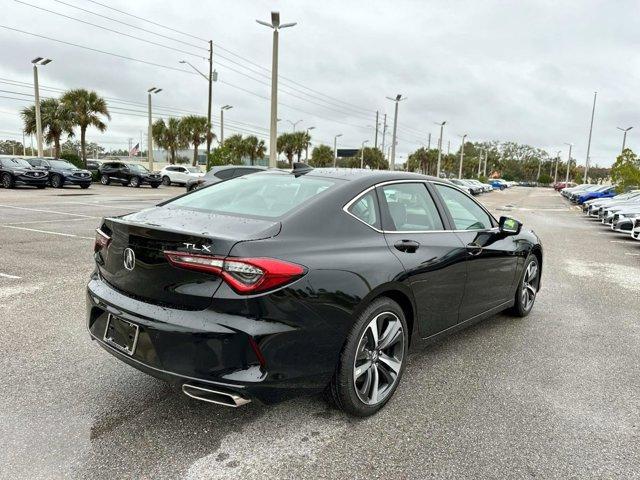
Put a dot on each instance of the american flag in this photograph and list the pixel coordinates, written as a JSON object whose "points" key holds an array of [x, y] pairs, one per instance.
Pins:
{"points": [[134, 151]]}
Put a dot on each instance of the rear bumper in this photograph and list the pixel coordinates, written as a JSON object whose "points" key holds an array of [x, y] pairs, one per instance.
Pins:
{"points": [[214, 349]]}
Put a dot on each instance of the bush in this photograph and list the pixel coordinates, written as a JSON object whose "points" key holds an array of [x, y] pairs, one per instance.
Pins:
{"points": [[483, 179], [545, 179], [73, 158]]}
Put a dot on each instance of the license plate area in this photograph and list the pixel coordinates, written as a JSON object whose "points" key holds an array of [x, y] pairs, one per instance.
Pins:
{"points": [[121, 334]]}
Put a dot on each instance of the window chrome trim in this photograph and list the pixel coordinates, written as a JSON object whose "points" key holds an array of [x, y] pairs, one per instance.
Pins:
{"points": [[348, 205]]}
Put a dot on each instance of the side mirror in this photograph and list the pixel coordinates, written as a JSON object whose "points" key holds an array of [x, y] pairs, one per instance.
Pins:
{"points": [[509, 225]]}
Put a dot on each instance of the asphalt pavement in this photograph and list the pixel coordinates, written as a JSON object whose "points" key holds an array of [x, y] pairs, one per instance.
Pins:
{"points": [[553, 395]]}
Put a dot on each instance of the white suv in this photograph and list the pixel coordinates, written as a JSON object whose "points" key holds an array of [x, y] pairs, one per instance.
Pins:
{"points": [[179, 174]]}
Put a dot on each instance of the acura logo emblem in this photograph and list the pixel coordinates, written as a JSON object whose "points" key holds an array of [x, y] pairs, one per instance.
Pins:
{"points": [[129, 259]]}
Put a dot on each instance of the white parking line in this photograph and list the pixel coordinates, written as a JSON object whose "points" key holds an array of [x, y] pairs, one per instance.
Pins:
{"points": [[632, 254], [48, 211], [46, 231], [58, 220], [619, 241], [6, 275]]}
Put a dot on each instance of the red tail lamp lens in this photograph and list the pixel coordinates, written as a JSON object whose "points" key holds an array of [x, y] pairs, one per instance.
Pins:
{"points": [[102, 240], [244, 275]]}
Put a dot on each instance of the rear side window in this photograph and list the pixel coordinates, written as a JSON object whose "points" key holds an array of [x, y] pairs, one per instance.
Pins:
{"points": [[365, 209], [466, 213], [411, 208], [270, 195], [225, 174]]}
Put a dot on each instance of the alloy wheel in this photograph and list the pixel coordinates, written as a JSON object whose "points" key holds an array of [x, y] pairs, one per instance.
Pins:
{"points": [[104, 180], [6, 181], [379, 358], [166, 181], [529, 285]]}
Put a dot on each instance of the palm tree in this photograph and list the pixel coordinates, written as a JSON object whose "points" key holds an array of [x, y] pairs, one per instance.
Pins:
{"points": [[195, 130], [168, 136], [237, 147], [56, 121], [286, 144], [254, 148], [86, 109]]}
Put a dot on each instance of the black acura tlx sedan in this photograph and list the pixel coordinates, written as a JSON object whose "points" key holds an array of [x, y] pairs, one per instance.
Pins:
{"points": [[278, 283]]}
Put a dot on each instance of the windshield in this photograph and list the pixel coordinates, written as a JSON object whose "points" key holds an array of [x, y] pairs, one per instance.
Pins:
{"points": [[270, 195], [137, 167], [19, 162], [62, 164]]}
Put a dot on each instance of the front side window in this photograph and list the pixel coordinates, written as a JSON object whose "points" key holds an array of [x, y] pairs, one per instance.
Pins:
{"points": [[411, 208], [365, 209], [269, 195], [466, 213]]}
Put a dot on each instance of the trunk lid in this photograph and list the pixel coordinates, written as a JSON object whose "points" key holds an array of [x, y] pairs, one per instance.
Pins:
{"points": [[151, 232]]}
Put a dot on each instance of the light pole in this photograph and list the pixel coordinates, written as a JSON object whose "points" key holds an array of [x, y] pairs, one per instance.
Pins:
{"points": [[38, 61], [222, 109], [384, 132], [150, 129], [586, 163], [484, 171], [293, 124], [362, 154], [624, 137], [440, 148], [461, 155], [566, 182], [212, 77], [273, 129], [335, 149], [480, 161], [555, 176], [306, 145], [397, 100]]}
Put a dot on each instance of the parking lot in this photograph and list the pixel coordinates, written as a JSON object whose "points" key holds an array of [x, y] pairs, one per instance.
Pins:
{"points": [[553, 395]]}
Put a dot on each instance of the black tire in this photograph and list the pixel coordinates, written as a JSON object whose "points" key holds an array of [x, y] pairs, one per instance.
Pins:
{"points": [[134, 182], [155, 185], [84, 186], [105, 180], [8, 181], [344, 390], [56, 181], [528, 286], [166, 181]]}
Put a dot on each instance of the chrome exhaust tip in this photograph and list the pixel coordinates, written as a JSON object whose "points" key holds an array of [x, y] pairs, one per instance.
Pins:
{"points": [[213, 396]]}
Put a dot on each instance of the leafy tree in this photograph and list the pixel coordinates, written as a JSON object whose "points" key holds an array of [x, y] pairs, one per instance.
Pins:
{"points": [[286, 144], [237, 148], [168, 136], [195, 130], [73, 158], [322, 156], [10, 147], [86, 109], [625, 172], [56, 121], [254, 148], [223, 155]]}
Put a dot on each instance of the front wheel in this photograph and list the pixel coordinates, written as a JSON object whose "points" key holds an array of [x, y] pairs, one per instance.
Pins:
{"points": [[7, 181], [527, 288], [56, 181], [104, 180], [372, 360], [166, 181], [84, 186], [155, 185], [134, 182]]}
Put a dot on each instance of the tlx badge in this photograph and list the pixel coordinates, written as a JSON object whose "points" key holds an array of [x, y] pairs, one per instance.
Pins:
{"points": [[198, 248]]}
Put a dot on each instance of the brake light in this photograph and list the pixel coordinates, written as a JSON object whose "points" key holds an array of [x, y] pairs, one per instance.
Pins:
{"points": [[244, 275], [102, 240]]}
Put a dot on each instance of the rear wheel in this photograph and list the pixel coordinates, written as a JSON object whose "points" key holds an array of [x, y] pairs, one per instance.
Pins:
{"points": [[372, 360], [528, 288], [134, 182], [84, 185], [166, 181], [104, 180], [7, 181], [57, 181]]}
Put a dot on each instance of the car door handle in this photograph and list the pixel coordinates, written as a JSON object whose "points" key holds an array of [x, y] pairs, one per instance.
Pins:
{"points": [[474, 249], [407, 246]]}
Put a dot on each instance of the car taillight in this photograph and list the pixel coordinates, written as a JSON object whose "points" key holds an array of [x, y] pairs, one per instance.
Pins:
{"points": [[244, 275], [102, 240]]}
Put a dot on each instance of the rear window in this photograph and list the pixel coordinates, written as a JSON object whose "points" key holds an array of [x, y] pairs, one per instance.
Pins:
{"points": [[256, 195]]}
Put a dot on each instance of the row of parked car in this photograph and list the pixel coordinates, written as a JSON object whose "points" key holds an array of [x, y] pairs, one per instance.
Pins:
{"points": [[40, 172], [475, 187], [620, 212]]}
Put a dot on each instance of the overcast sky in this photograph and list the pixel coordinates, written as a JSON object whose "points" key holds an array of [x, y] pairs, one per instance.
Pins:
{"points": [[496, 70]]}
